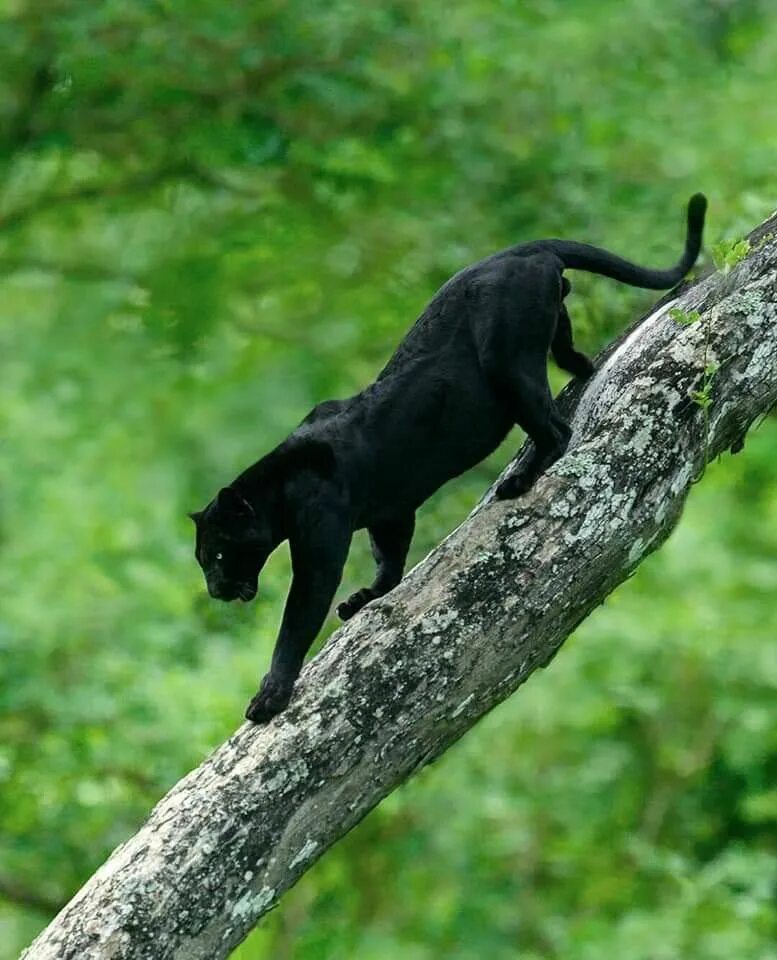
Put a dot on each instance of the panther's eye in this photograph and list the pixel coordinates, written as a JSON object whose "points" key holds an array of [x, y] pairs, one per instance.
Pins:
{"points": [[219, 556]]}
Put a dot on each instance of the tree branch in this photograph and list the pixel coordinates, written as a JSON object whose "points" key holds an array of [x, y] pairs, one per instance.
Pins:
{"points": [[138, 183], [85, 272], [14, 892], [414, 671]]}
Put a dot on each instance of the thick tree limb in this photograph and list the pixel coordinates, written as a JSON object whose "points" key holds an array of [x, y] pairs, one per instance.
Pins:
{"points": [[407, 677], [14, 892], [140, 182]]}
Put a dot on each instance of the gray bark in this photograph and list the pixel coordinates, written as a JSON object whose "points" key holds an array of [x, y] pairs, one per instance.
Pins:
{"points": [[409, 675]]}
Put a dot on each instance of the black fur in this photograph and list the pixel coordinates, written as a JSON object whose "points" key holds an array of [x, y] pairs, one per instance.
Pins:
{"points": [[472, 366]]}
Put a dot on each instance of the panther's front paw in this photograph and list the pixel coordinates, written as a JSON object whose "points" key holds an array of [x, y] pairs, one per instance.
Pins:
{"points": [[513, 485], [584, 368], [354, 603], [274, 694]]}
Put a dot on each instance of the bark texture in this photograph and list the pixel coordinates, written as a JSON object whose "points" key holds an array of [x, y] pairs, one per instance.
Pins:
{"points": [[409, 675]]}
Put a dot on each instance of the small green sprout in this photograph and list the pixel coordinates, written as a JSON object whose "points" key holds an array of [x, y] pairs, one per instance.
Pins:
{"points": [[703, 396], [728, 253], [683, 317]]}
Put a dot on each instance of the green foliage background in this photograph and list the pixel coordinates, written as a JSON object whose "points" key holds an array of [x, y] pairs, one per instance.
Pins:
{"points": [[214, 215]]}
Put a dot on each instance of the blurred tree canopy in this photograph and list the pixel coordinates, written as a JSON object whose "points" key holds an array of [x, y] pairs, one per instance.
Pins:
{"points": [[213, 216]]}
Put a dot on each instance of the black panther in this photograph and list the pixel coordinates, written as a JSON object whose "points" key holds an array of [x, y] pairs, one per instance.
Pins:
{"points": [[473, 365]]}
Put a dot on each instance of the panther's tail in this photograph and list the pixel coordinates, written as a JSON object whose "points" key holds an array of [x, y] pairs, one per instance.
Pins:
{"points": [[581, 256]]}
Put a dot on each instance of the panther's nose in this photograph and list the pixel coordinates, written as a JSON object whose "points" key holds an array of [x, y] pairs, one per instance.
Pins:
{"points": [[216, 590]]}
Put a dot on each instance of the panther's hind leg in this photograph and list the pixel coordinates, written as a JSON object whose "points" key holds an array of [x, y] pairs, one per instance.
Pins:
{"points": [[514, 357], [534, 410], [563, 349], [390, 542]]}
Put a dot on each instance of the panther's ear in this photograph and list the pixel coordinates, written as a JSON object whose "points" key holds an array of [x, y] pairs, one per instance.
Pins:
{"points": [[196, 516], [231, 504]]}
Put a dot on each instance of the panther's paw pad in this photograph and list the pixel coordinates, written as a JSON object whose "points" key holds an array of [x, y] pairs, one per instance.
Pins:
{"points": [[354, 603], [512, 486], [272, 697]]}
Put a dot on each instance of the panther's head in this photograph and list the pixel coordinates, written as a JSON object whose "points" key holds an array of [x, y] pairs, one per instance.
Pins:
{"points": [[233, 542]]}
